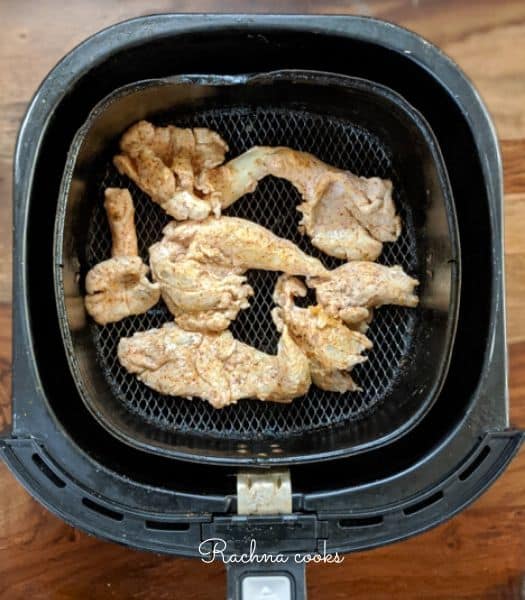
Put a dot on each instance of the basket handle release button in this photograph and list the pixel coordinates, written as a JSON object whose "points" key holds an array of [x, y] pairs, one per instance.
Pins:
{"points": [[266, 587]]}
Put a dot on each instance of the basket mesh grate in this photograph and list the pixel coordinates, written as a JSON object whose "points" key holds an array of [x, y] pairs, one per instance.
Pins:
{"points": [[272, 205]]}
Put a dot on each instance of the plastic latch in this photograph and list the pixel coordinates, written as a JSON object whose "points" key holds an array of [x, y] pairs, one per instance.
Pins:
{"points": [[264, 492]]}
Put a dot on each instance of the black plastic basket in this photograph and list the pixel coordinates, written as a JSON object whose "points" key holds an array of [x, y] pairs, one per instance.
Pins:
{"points": [[91, 479], [352, 123]]}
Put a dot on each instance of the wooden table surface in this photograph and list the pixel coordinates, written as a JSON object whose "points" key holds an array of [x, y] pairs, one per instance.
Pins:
{"points": [[478, 554]]}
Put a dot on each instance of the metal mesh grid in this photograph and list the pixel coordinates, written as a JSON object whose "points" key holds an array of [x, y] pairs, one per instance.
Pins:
{"points": [[273, 205]]}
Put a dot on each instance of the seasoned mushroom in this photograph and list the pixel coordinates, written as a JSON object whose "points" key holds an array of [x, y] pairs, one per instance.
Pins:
{"points": [[164, 161], [214, 366], [118, 287], [346, 216], [200, 266], [331, 347], [353, 289]]}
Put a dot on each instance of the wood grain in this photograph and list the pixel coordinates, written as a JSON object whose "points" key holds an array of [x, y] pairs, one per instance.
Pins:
{"points": [[479, 554]]}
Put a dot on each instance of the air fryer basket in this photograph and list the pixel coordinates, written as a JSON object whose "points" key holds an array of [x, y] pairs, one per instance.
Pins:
{"points": [[351, 123], [89, 478]]}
